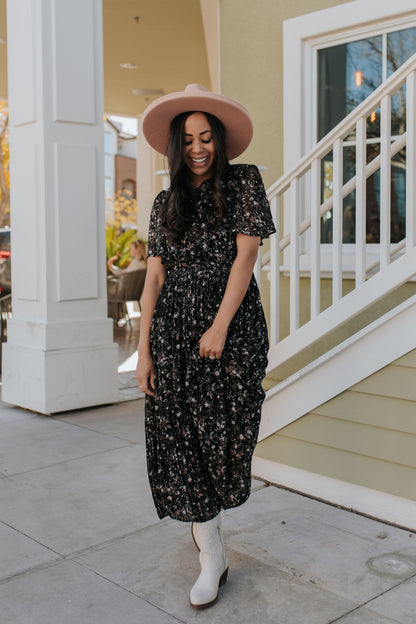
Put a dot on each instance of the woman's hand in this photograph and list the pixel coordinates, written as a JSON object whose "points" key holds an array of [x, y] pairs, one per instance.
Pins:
{"points": [[211, 344], [145, 375]]}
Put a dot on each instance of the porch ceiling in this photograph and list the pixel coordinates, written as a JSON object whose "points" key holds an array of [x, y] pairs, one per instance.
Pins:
{"points": [[167, 43]]}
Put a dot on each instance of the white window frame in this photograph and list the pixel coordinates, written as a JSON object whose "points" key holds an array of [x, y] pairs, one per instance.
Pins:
{"points": [[302, 37]]}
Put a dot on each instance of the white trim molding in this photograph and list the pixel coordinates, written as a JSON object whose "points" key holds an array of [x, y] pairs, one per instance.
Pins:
{"points": [[376, 504]]}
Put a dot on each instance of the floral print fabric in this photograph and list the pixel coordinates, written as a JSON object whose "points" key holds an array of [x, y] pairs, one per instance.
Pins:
{"points": [[202, 426]]}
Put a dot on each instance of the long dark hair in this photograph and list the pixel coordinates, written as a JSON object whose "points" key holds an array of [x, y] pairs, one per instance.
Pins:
{"points": [[176, 212]]}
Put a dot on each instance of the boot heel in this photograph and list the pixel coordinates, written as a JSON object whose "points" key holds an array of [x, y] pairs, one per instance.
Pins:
{"points": [[223, 578]]}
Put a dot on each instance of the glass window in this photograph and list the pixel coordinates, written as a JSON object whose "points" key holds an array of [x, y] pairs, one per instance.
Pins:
{"points": [[347, 74], [400, 47]]}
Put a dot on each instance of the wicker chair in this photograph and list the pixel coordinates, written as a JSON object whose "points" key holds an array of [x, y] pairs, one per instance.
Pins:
{"points": [[123, 288]]}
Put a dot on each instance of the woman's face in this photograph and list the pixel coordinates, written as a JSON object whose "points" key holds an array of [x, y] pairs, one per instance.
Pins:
{"points": [[199, 150]]}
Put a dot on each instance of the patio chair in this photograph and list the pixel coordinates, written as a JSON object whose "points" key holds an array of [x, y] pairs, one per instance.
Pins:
{"points": [[123, 288], [5, 314]]}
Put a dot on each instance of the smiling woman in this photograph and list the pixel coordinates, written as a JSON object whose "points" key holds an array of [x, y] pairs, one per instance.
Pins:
{"points": [[203, 337]]}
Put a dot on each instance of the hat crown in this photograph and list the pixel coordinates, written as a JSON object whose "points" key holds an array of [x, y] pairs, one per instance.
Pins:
{"points": [[196, 88]]}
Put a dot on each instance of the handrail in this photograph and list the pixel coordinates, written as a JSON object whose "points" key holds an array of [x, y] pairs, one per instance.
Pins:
{"points": [[303, 184], [348, 187], [389, 87]]}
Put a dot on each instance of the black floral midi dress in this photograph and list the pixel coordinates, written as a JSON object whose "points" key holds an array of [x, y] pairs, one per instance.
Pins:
{"points": [[202, 425]]}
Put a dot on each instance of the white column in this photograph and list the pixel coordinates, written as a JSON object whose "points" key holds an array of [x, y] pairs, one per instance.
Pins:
{"points": [[146, 182], [60, 353]]}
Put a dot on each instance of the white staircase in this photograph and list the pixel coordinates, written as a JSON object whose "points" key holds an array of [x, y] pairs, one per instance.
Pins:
{"points": [[299, 192]]}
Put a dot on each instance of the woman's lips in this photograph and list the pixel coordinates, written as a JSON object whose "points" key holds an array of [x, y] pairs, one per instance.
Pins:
{"points": [[200, 161]]}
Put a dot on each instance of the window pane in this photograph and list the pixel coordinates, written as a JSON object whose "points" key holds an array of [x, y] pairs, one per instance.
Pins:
{"points": [[347, 74], [400, 47]]}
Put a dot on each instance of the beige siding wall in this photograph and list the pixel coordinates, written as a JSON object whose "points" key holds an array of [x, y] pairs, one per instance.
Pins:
{"points": [[209, 12], [365, 436], [251, 53]]}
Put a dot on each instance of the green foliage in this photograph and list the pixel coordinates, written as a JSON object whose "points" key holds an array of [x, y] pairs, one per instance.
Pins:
{"points": [[121, 213], [116, 243]]}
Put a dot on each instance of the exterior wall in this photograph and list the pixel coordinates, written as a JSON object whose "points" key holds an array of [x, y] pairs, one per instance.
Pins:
{"points": [[127, 147], [209, 12], [125, 169], [148, 162], [252, 69], [365, 436]]}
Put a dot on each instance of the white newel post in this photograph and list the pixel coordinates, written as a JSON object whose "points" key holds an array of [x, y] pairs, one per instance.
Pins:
{"points": [[59, 353]]}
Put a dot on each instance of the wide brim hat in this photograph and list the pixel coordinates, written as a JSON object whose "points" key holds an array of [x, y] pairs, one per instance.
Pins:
{"points": [[234, 116]]}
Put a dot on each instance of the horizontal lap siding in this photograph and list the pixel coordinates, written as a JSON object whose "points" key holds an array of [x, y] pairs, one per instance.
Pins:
{"points": [[366, 435]]}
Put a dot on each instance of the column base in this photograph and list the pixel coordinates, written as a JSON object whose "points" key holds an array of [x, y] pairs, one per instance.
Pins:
{"points": [[59, 380]]}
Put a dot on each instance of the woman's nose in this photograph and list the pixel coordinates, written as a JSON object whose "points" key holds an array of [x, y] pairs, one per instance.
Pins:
{"points": [[197, 147]]}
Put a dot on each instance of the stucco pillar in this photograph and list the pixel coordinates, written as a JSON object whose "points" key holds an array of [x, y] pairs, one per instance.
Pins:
{"points": [[146, 183], [60, 353]]}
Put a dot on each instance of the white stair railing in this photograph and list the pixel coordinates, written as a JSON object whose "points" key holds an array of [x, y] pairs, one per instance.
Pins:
{"points": [[372, 280]]}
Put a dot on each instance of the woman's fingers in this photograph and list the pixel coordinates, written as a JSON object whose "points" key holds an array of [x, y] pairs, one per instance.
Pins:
{"points": [[211, 354], [145, 376], [210, 351], [148, 391], [211, 344], [147, 387]]}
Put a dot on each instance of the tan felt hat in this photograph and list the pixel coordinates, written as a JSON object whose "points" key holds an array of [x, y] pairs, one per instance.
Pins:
{"points": [[158, 115]]}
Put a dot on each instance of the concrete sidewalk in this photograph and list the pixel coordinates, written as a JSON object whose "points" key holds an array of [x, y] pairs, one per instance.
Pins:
{"points": [[81, 543]]}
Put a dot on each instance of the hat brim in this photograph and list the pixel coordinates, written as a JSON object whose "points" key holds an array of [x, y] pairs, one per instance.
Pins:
{"points": [[159, 114]]}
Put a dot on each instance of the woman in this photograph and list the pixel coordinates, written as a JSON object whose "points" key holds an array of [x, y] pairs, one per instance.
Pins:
{"points": [[203, 338], [137, 252]]}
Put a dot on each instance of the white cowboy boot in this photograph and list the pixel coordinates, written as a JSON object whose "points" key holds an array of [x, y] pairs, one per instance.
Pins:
{"points": [[213, 560]]}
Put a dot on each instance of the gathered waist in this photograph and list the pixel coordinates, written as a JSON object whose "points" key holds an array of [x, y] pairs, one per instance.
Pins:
{"points": [[207, 268]]}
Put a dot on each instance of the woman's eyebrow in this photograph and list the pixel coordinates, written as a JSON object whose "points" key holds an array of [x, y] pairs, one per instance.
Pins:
{"points": [[204, 132]]}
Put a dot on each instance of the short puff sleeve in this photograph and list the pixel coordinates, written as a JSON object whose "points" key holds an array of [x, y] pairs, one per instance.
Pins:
{"points": [[252, 214], [155, 246]]}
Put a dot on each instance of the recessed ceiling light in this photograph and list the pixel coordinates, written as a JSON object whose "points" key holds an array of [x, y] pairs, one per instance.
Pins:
{"points": [[129, 65], [148, 92]]}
